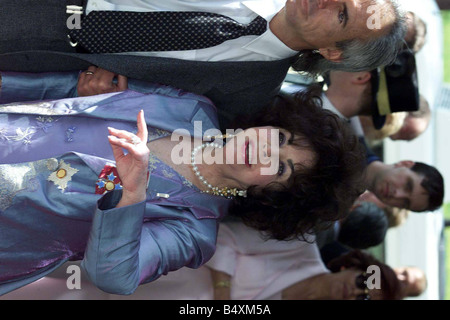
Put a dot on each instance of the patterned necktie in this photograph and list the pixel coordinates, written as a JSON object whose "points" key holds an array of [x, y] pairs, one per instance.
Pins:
{"points": [[123, 31]]}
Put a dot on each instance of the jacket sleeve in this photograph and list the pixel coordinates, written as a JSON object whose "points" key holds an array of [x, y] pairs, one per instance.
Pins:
{"points": [[22, 86], [124, 251]]}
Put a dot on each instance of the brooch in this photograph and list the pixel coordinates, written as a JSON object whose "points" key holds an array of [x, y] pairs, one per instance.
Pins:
{"points": [[62, 175], [108, 180]]}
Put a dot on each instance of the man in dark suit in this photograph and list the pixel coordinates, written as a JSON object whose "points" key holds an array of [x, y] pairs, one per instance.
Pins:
{"points": [[338, 34]]}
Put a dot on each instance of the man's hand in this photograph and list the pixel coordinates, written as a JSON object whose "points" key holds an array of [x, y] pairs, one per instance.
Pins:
{"points": [[97, 81]]}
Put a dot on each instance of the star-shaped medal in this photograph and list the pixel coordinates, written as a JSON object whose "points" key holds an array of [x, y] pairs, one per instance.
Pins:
{"points": [[62, 175]]}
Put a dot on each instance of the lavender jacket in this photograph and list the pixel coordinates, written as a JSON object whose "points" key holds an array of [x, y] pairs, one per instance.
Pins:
{"points": [[46, 222]]}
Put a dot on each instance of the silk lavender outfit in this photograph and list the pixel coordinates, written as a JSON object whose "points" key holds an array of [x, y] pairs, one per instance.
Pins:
{"points": [[45, 222]]}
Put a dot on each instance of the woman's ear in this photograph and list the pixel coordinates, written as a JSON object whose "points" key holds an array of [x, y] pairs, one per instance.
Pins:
{"points": [[332, 54]]}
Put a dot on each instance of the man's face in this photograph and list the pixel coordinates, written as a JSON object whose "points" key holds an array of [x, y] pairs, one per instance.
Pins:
{"points": [[401, 187], [413, 281], [323, 23]]}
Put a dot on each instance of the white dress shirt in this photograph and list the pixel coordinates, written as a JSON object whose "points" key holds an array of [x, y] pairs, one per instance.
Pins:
{"points": [[266, 47]]}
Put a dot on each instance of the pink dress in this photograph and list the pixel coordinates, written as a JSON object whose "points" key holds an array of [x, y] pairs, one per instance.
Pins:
{"points": [[260, 271]]}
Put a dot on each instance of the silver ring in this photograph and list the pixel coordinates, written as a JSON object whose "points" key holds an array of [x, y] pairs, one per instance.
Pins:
{"points": [[89, 72], [135, 140]]}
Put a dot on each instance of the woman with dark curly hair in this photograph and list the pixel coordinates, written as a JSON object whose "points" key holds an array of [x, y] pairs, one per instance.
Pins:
{"points": [[68, 191], [322, 192]]}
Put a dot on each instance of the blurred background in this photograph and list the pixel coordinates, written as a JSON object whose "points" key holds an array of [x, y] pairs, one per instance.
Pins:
{"points": [[423, 240]]}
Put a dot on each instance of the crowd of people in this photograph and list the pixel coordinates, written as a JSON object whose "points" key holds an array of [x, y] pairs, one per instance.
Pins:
{"points": [[157, 145]]}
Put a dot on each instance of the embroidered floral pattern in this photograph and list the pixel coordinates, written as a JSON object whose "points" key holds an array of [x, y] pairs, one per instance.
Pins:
{"points": [[152, 162], [187, 183], [70, 133], [154, 133], [3, 134], [44, 123], [42, 108], [15, 178], [166, 170], [167, 174], [26, 134], [20, 135]]}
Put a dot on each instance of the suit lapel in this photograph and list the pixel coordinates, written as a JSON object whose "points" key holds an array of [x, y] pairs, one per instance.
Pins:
{"points": [[193, 76], [236, 88]]}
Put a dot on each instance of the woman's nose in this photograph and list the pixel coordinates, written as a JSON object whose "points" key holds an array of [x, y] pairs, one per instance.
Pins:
{"points": [[270, 151]]}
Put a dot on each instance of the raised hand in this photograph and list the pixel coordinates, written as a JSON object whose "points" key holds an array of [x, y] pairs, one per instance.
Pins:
{"points": [[133, 166], [98, 81]]}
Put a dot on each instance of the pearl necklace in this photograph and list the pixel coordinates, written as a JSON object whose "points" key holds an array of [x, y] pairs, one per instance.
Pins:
{"points": [[225, 191]]}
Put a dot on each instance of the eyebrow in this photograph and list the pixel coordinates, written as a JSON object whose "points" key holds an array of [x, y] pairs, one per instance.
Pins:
{"points": [[345, 14], [291, 139]]}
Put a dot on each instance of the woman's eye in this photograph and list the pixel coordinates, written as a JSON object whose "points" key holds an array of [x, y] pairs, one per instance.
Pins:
{"points": [[281, 169], [341, 17], [282, 138]]}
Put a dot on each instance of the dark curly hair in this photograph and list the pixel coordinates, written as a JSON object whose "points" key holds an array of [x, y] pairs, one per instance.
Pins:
{"points": [[357, 259], [323, 193], [433, 183]]}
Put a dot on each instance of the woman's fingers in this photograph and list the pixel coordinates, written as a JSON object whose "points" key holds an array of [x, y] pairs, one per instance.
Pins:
{"points": [[142, 126], [116, 147], [132, 143], [135, 144], [125, 135], [122, 143], [139, 137]]}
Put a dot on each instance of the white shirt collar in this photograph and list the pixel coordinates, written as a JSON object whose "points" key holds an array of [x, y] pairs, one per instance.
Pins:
{"points": [[268, 44], [329, 106], [266, 9]]}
